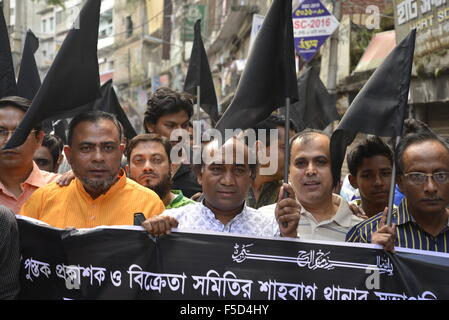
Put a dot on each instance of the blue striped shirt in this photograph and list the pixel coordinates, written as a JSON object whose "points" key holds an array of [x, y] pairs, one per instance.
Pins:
{"points": [[408, 233]]}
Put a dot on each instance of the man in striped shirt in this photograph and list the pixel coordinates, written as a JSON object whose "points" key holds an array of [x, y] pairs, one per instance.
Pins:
{"points": [[422, 219]]}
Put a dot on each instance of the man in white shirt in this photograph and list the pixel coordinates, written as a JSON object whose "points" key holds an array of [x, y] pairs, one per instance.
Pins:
{"points": [[225, 186], [323, 214]]}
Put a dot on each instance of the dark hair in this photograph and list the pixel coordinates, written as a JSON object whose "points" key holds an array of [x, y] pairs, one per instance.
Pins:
{"points": [[415, 138], [54, 144], [369, 147], [93, 116], [20, 103], [252, 167], [167, 101], [148, 137]]}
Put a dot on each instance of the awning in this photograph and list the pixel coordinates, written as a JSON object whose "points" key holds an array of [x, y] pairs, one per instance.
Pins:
{"points": [[380, 46]]}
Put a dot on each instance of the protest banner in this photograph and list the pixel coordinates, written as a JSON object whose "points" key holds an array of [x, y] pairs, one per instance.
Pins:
{"points": [[126, 263]]}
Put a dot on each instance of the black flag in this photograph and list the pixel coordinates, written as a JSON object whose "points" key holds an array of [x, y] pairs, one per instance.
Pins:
{"points": [[380, 106], [109, 103], [316, 107], [270, 74], [7, 77], [73, 79], [29, 81], [199, 75]]}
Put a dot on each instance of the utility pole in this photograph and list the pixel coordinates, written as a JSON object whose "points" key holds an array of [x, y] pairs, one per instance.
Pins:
{"points": [[333, 56], [333, 52]]}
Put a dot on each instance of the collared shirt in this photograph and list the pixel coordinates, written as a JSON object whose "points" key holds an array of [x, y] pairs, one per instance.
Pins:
{"points": [[179, 200], [408, 233], [249, 222], [72, 206], [268, 195], [334, 229], [35, 180]]}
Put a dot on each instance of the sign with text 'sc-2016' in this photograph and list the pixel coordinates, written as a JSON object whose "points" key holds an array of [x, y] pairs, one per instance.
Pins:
{"points": [[312, 25]]}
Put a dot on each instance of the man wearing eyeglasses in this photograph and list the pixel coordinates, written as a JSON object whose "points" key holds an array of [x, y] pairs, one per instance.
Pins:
{"points": [[19, 175], [421, 220]]}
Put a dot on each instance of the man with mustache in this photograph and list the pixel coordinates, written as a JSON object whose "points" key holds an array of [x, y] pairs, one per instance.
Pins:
{"points": [[370, 164], [19, 174], [421, 221], [323, 214], [149, 165], [225, 176], [49, 155], [101, 194]]}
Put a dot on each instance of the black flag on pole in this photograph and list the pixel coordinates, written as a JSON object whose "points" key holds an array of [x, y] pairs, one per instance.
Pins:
{"points": [[199, 74], [316, 107], [109, 103], [380, 106], [29, 81], [73, 79], [270, 74], [8, 85]]}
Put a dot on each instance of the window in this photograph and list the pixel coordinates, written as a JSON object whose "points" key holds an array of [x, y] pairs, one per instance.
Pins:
{"points": [[44, 25]]}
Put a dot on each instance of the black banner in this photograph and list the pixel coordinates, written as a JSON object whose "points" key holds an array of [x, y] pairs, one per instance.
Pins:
{"points": [[127, 263]]}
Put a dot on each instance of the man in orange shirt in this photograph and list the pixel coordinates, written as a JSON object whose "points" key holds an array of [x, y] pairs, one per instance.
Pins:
{"points": [[101, 194], [19, 175]]}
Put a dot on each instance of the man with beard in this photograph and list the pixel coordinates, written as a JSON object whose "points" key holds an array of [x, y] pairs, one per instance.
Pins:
{"points": [[149, 165], [101, 194]]}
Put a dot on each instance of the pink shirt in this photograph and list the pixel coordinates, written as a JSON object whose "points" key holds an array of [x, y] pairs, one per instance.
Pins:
{"points": [[36, 179]]}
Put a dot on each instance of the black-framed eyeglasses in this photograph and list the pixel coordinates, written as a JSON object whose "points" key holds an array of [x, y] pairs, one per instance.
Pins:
{"points": [[420, 177]]}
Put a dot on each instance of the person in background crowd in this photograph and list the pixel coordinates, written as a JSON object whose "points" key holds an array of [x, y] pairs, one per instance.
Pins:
{"points": [[149, 165], [324, 215], [265, 188], [9, 255], [225, 186], [167, 111], [370, 165], [49, 156], [101, 194], [421, 221], [19, 174]]}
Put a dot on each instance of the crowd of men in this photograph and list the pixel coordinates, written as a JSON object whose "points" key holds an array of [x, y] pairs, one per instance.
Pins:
{"points": [[107, 180]]}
